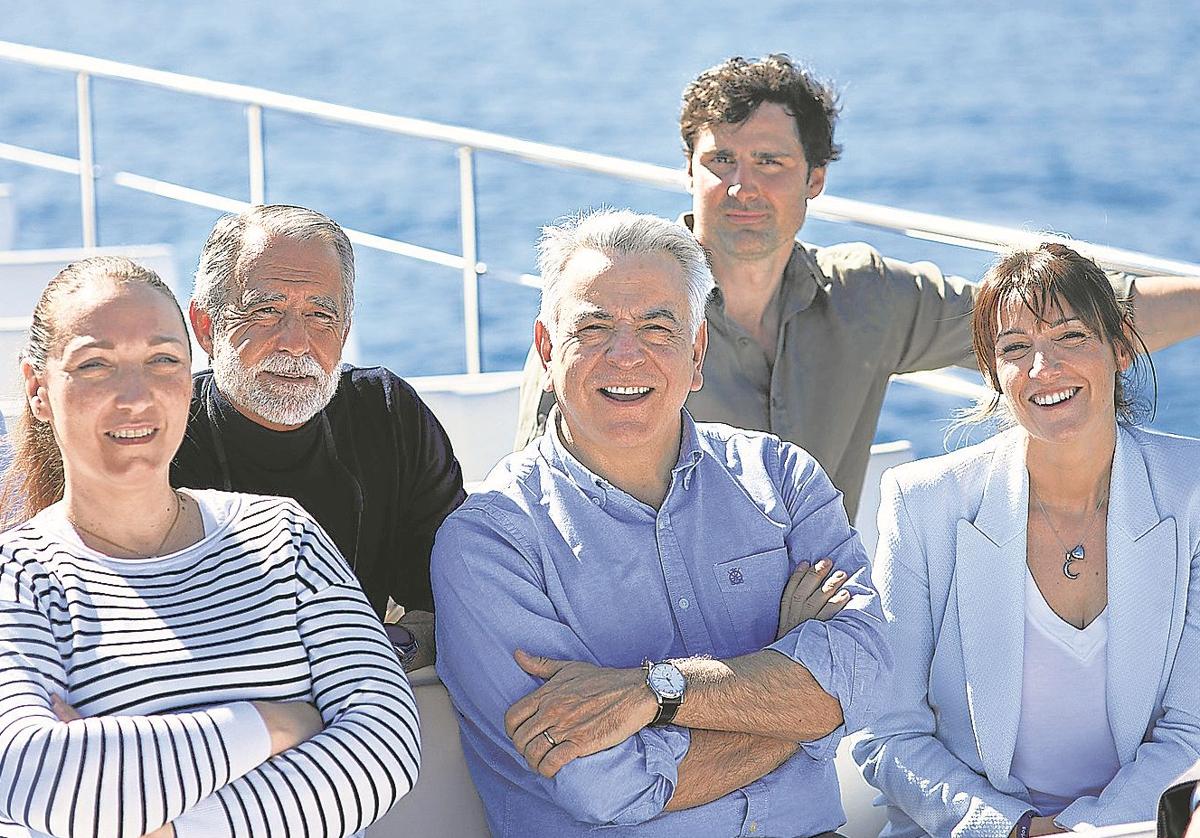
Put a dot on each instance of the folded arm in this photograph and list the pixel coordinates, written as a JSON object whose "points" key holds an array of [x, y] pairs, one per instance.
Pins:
{"points": [[491, 600], [69, 778], [819, 678], [368, 754]]}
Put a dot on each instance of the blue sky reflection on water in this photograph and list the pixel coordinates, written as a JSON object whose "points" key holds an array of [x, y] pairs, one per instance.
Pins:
{"points": [[1075, 117]]}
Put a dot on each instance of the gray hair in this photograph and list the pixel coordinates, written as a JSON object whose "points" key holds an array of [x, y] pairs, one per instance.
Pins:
{"points": [[613, 232], [216, 273]]}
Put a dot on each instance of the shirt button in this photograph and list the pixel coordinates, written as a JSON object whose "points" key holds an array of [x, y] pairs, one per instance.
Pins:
{"points": [[683, 603], [596, 501]]}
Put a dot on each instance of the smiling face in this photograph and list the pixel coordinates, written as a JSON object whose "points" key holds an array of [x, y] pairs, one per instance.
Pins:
{"points": [[1057, 374], [750, 184], [116, 384], [276, 352], [621, 355]]}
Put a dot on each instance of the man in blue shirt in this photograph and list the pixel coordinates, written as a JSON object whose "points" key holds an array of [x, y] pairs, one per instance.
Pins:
{"points": [[609, 606]]}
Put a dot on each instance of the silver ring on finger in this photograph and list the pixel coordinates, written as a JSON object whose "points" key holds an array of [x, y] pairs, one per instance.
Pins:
{"points": [[549, 739]]}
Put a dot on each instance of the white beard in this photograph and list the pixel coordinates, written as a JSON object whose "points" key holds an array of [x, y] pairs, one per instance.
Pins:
{"points": [[279, 402]]}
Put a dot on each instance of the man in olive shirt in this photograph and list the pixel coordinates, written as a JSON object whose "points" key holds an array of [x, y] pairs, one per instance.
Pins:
{"points": [[803, 339]]}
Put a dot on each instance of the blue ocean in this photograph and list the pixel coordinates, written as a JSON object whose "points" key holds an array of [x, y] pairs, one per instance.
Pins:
{"points": [[1076, 117]]}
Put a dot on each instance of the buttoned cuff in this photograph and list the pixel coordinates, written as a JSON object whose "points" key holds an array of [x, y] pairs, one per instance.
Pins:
{"points": [[664, 749]]}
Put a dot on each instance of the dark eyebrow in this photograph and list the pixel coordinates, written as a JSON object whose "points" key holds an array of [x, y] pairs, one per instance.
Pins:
{"points": [[592, 313], [253, 297], [1051, 324], [325, 302], [660, 314]]}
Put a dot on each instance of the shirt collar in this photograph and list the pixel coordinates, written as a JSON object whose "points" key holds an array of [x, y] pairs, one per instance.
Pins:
{"points": [[691, 451]]}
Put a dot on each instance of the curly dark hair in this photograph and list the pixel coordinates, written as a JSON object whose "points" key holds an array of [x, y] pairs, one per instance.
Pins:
{"points": [[731, 91]]}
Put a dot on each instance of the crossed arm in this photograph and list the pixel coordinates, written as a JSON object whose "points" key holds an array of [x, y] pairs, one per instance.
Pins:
{"points": [[740, 730], [362, 750]]}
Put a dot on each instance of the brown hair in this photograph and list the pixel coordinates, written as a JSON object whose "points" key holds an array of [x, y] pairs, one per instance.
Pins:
{"points": [[733, 90], [1045, 280], [34, 479]]}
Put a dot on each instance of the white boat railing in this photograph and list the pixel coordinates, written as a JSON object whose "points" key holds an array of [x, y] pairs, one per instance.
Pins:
{"points": [[256, 100]]}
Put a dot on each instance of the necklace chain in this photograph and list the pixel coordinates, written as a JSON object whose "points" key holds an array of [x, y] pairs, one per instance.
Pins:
{"points": [[139, 553], [1076, 553]]}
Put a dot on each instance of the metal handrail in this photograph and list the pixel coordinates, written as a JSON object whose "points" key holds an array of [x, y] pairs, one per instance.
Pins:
{"points": [[927, 226]]}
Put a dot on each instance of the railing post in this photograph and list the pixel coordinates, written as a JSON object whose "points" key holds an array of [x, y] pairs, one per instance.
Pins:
{"points": [[87, 159], [258, 161], [470, 246]]}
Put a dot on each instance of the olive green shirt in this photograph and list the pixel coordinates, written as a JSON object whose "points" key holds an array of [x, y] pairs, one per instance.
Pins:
{"points": [[849, 320]]}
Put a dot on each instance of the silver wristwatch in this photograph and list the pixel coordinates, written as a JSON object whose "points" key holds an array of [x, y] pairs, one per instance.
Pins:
{"points": [[667, 683]]}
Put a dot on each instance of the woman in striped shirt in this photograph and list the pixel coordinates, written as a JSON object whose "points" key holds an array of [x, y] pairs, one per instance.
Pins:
{"points": [[172, 662]]}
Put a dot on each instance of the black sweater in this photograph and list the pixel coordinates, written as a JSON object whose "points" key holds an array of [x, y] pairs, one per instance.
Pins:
{"points": [[374, 468]]}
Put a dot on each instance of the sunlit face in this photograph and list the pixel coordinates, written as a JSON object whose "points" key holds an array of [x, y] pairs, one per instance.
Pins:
{"points": [[1058, 377], [275, 355], [622, 358], [750, 184], [117, 385]]}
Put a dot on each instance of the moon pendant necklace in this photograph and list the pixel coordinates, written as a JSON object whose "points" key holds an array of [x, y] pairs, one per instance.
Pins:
{"points": [[1076, 553]]}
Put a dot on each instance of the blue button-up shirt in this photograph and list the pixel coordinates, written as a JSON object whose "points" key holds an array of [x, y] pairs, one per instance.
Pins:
{"points": [[552, 559]]}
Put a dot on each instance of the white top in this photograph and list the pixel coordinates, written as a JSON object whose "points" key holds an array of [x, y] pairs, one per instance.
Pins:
{"points": [[1065, 748], [161, 657]]}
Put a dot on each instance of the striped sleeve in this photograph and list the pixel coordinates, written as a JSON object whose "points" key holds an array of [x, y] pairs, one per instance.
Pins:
{"points": [[113, 775], [346, 777]]}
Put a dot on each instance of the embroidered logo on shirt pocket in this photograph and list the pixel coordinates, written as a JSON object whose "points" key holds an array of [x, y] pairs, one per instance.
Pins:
{"points": [[751, 587]]}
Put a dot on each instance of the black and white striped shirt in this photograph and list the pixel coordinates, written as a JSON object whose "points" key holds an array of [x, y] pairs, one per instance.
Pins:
{"points": [[160, 656]]}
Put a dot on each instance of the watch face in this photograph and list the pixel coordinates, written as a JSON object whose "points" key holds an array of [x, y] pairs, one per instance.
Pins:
{"points": [[666, 680]]}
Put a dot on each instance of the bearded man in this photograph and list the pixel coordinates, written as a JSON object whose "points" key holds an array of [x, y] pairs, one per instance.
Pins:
{"points": [[278, 413]]}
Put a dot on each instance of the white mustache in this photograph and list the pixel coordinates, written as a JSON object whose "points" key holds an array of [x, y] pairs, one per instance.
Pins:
{"points": [[291, 365]]}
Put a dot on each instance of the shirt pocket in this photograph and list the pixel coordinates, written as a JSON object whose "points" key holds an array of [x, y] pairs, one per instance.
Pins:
{"points": [[751, 587]]}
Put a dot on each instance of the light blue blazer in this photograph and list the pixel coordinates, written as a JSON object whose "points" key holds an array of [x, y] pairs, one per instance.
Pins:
{"points": [[950, 569]]}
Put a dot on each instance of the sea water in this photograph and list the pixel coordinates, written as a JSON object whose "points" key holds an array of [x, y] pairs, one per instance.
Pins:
{"points": [[1077, 117]]}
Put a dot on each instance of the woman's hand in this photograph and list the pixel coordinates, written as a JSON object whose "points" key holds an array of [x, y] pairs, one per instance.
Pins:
{"points": [[809, 595], [289, 722]]}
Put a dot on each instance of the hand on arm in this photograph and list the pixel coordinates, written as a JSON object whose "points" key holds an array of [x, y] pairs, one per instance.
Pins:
{"points": [[812, 593], [583, 707], [586, 708], [719, 762], [725, 695]]}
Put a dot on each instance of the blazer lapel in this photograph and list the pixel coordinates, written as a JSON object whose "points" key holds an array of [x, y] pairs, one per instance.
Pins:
{"points": [[990, 587], [1142, 594]]}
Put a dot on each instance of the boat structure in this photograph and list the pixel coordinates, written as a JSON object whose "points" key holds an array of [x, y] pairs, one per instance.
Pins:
{"points": [[477, 408]]}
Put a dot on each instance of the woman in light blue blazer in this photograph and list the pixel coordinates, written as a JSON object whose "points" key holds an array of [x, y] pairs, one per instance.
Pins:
{"points": [[1043, 587]]}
